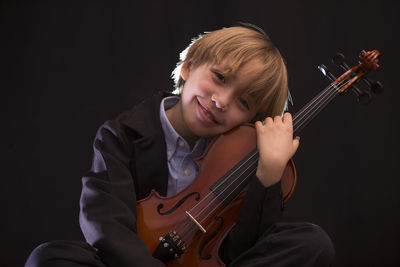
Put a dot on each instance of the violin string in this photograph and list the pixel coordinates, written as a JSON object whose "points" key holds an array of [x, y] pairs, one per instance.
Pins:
{"points": [[325, 98], [251, 165], [323, 94], [303, 120], [322, 99], [312, 106], [303, 112], [212, 194], [209, 213], [236, 169], [303, 117], [319, 95]]}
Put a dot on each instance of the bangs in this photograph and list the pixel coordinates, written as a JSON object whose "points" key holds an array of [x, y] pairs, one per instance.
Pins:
{"points": [[233, 47], [268, 90]]}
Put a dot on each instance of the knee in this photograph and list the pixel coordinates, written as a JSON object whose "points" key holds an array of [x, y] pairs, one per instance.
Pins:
{"points": [[41, 255], [318, 244], [64, 253]]}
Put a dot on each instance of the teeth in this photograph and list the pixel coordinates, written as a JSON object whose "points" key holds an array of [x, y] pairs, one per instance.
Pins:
{"points": [[208, 114]]}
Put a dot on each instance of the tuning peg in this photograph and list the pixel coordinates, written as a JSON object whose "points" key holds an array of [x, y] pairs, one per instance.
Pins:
{"points": [[377, 87], [364, 97], [339, 59], [322, 68]]}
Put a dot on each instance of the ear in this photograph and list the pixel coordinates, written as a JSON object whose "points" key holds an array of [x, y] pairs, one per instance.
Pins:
{"points": [[186, 66]]}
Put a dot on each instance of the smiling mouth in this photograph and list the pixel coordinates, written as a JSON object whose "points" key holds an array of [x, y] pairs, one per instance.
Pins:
{"points": [[207, 113]]}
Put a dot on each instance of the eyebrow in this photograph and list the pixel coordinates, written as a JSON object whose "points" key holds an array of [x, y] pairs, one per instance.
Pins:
{"points": [[224, 69]]}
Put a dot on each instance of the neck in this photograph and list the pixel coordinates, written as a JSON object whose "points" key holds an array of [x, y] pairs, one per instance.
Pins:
{"points": [[175, 117], [313, 108]]}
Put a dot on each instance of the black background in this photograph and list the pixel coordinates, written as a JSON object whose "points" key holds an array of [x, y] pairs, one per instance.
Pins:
{"points": [[67, 66]]}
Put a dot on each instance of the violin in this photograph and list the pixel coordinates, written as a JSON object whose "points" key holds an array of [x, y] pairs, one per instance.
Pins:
{"points": [[188, 228]]}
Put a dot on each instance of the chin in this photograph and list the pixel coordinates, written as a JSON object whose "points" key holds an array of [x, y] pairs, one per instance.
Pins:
{"points": [[204, 132]]}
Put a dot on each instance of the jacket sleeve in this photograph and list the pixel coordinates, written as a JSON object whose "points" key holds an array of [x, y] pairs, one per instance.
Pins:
{"points": [[108, 202], [262, 208]]}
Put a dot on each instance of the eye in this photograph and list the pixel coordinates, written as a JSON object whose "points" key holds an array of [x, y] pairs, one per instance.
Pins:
{"points": [[219, 76], [244, 102]]}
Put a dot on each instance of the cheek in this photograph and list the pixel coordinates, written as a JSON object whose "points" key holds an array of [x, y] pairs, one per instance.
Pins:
{"points": [[188, 92], [238, 117], [203, 85], [192, 88]]}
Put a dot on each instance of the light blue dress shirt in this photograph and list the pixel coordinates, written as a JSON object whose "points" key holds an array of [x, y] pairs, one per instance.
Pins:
{"points": [[182, 170]]}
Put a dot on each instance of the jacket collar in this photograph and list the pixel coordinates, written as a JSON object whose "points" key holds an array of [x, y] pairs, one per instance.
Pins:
{"points": [[150, 154]]}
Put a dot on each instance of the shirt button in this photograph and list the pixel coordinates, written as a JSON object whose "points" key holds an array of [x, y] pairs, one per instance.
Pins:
{"points": [[169, 153], [181, 144], [186, 172]]}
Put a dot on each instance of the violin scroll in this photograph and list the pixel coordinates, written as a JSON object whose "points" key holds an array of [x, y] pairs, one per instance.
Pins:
{"points": [[368, 62]]}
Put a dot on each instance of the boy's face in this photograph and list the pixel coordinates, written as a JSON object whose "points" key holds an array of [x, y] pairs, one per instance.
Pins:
{"points": [[210, 100]]}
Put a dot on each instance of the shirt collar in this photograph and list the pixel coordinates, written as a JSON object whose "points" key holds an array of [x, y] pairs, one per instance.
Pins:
{"points": [[172, 138]]}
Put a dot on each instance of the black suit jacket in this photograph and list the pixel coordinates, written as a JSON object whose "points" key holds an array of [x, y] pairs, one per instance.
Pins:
{"points": [[129, 161]]}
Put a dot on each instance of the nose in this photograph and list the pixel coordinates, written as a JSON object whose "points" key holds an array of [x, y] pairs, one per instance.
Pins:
{"points": [[218, 103], [222, 99]]}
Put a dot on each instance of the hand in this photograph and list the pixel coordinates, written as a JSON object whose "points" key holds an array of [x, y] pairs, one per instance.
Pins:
{"points": [[276, 147]]}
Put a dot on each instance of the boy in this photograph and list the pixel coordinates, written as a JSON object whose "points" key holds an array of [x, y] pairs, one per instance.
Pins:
{"points": [[226, 77]]}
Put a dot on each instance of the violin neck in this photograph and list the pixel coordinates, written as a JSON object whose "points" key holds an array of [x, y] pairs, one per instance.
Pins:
{"points": [[304, 116], [229, 186]]}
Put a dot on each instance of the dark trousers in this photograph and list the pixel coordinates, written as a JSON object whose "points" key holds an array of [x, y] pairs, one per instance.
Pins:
{"points": [[284, 244]]}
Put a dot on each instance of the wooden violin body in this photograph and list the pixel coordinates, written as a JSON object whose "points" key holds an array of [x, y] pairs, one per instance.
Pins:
{"points": [[158, 215], [187, 229]]}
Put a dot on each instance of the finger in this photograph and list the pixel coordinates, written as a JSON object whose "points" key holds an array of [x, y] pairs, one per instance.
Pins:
{"points": [[288, 121], [296, 143], [258, 124], [277, 119], [287, 117], [259, 128], [268, 121]]}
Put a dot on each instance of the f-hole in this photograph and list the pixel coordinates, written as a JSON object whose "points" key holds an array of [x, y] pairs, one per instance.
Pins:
{"points": [[211, 237], [178, 204]]}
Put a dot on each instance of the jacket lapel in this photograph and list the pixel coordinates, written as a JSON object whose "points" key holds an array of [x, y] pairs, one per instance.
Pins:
{"points": [[150, 156]]}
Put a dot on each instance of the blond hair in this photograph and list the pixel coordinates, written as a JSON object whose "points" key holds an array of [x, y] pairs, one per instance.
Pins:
{"points": [[236, 46]]}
